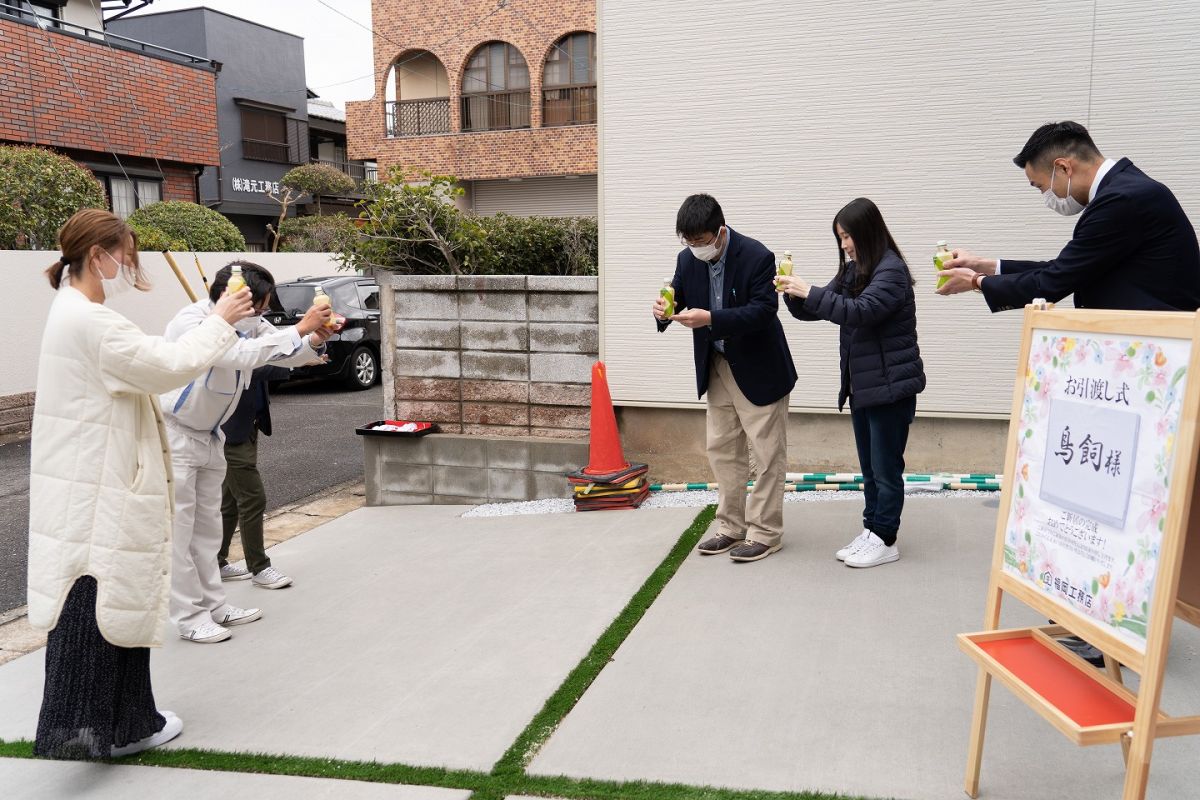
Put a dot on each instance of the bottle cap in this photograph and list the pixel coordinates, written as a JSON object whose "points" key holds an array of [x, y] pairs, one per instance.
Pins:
{"points": [[942, 243], [787, 253], [668, 280]]}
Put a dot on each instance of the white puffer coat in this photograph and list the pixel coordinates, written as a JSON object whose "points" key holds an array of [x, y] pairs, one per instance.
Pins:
{"points": [[100, 494]]}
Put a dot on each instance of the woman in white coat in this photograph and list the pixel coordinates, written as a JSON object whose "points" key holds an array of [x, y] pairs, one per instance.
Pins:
{"points": [[100, 503]]}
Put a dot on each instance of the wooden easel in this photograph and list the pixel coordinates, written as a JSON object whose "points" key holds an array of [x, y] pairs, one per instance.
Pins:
{"points": [[1087, 705]]}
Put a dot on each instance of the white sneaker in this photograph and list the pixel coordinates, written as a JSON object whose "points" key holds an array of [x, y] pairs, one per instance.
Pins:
{"points": [[208, 633], [873, 553], [173, 728], [271, 578], [229, 572], [856, 543], [239, 616]]}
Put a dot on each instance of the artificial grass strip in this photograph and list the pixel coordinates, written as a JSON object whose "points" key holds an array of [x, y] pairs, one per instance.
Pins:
{"points": [[513, 763], [483, 785]]}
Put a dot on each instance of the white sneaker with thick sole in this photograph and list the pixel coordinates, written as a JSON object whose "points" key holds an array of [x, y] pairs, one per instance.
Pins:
{"points": [[173, 728], [229, 572], [208, 633], [271, 578], [856, 543], [873, 553], [239, 616]]}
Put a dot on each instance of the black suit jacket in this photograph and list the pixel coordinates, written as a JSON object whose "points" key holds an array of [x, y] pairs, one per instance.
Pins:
{"points": [[1133, 248], [253, 412], [747, 322]]}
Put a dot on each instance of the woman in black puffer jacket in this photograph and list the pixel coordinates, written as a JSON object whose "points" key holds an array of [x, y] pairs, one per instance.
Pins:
{"points": [[872, 299]]}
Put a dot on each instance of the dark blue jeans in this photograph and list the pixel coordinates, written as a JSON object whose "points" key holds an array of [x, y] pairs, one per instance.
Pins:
{"points": [[881, 433]]}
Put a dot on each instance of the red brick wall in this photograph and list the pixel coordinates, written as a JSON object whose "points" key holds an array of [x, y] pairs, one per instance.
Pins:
{"points": [[177, 104], [532, 26], [179, 183]]}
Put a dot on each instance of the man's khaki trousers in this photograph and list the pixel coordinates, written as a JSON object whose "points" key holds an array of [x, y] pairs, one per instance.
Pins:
{"points": [[732, 422]]}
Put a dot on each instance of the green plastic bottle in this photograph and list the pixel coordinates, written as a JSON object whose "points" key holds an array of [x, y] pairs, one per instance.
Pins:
{"points": [[940, 257], [668, 293], [785, 265]]}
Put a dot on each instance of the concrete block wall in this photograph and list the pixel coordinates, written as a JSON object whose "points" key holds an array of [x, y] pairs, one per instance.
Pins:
{"points": [[494, 355], [457, 469], [16, 416]]}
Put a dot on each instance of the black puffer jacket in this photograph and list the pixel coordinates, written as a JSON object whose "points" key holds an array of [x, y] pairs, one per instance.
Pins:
{"points": [[881, 362]]}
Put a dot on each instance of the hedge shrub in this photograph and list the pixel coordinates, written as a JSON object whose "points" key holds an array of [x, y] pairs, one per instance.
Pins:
{"points": [[198, 228], [39, 191], [410, 223], [316, 234]]}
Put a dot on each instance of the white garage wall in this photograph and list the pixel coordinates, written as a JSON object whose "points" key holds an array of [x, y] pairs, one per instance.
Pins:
{"points": [[31, 296], [786, 111]]}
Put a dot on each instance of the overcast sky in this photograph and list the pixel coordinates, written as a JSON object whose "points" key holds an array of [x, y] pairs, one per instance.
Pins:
{"points": [[337, 52]]}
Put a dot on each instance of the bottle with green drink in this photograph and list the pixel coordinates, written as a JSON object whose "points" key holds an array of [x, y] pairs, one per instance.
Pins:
{"points": [[668, 293], [784, 268], [940, 257]]}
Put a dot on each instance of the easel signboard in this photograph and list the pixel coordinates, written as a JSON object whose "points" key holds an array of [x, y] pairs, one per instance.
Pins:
{"points": [[1097, 529]]}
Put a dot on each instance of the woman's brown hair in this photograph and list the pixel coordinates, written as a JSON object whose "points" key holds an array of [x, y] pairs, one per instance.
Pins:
{"points": [[88, 229]]}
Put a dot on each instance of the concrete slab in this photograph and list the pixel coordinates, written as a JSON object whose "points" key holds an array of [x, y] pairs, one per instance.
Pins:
{"points": [[411, 635], [798, 673], [30, 779]]}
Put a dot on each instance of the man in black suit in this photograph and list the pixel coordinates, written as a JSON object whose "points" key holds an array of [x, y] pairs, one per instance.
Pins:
{"points": [[1133, 246], [726, 283]]}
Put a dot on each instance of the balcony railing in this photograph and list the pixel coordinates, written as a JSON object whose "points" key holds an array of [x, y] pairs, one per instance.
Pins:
{"points": [[418, 117], [24, 16], [571, 105], [259, 150], [496, 111], [360, 172]]}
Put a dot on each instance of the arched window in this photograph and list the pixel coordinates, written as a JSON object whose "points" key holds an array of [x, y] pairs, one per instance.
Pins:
{"points": [[569, 81], [495, 89], [417, 96]]}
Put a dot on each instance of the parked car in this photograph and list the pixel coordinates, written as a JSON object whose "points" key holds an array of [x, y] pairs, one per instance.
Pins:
{"points": [[354, 350]]}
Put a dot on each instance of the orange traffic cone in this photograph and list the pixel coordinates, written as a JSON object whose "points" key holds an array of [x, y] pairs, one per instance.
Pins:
{"points": [[606, 460]]}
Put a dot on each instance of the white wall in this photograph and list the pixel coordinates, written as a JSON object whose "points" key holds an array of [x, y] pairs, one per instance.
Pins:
{"points": [[30, 297], [83, 12], [787, 111]]}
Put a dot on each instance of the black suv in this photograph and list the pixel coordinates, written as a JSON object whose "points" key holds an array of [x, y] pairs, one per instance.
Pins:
{"points": [[354, 350]]}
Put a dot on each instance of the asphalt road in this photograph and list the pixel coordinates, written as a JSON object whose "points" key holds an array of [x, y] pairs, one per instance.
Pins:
{"points": [[314, 446]]}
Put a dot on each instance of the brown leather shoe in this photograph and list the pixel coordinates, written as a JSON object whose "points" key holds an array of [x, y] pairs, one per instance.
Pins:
{"points": [[718, 544], [752, 551]]}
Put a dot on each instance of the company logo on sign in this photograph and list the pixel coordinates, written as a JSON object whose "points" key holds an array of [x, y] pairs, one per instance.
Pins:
{"points": [[255, 186]]}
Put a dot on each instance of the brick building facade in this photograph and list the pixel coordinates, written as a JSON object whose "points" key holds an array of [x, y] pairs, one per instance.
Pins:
{"points": [[155, 106], [502, 97]]}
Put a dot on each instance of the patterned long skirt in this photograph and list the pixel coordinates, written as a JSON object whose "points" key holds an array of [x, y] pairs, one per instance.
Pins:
{"points": [[97, 695]]}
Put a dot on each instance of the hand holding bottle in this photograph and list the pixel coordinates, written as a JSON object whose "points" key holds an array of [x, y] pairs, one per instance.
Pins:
{"points": [[319, 316], [792, 285], [234, 306]]}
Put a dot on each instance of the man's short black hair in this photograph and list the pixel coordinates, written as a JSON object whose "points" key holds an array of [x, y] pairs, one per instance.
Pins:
{"points": [[261, 282], [699, 214], [1057, 140]]}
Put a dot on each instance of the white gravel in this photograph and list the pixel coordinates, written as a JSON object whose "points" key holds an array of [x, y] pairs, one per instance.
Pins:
{"points": [[697, 499]]}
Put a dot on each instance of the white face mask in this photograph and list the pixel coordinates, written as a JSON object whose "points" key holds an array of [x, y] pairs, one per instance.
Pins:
{"points": [[1067, 206], [707, 252], [118, 284], [248, 325]]}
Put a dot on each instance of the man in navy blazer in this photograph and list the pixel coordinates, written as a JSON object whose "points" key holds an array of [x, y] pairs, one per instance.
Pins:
{"points": [[1133, 247], [725, 281]]}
